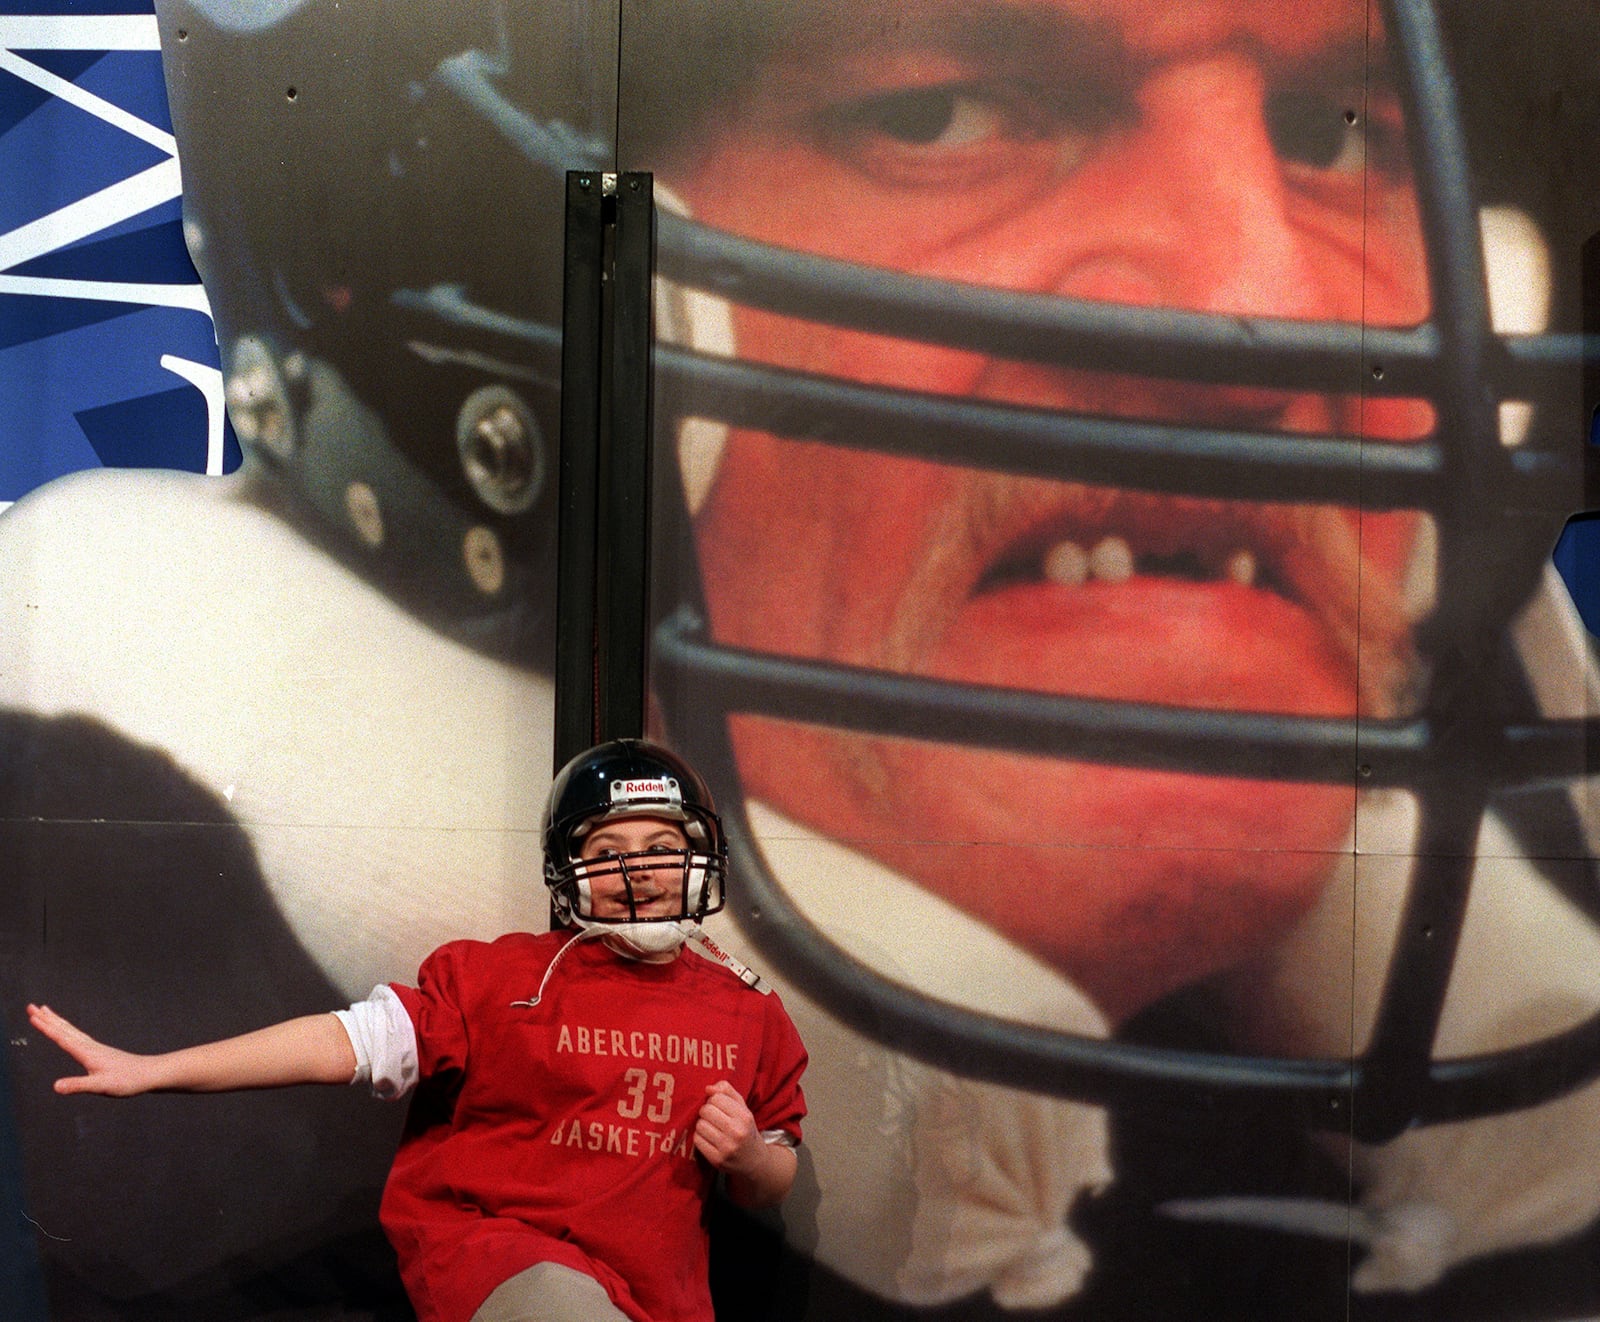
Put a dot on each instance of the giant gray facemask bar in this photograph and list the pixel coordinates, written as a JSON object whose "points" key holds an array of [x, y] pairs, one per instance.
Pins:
{"points": [[1497, 510]]}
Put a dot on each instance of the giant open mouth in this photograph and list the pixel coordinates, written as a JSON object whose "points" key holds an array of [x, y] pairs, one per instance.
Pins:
{"points": [[1230, 578], [1072, 552]]}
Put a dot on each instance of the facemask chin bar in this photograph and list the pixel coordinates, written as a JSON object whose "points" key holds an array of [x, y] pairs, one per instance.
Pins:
{"points": [[692, 871]]}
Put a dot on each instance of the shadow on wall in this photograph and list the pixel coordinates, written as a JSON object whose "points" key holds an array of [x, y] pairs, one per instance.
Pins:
{"points": [[131, 899]]}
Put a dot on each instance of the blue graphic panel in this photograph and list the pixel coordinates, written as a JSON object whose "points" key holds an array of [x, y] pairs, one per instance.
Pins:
{"points": [[129, 79], [138, 433], [155, 250], [1577, 559], [108, 354], [62, 153], [65, 410]]}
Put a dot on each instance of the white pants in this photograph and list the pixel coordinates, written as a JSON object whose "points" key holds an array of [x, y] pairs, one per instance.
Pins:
{"points": [[549, 1292]]}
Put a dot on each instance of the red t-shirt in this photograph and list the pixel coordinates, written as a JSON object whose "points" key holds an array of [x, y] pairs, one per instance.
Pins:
{"points": [[565, 1132]]}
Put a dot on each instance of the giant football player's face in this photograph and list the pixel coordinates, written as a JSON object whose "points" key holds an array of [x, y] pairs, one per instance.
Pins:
{"points": [[1224, 156]]}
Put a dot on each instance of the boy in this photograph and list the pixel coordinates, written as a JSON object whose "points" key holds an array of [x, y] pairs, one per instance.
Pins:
{"points": [[567, 1084]]}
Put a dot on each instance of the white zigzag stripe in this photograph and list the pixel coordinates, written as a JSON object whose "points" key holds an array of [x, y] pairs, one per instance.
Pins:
{"points": [[208, 380], [190, 297], [89, 215], [97, 106], [88, 32]]}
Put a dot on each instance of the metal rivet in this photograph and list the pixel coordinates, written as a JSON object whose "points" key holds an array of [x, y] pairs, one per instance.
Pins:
{"points": [[361, 504], [258, 400], [501, 449], [485, 562], [1377, 371], [1349, 117], [291, 94]]}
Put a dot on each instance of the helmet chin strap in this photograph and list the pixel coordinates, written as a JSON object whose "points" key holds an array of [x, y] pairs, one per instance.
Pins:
{"points": [[642, 940], [651, 940]]}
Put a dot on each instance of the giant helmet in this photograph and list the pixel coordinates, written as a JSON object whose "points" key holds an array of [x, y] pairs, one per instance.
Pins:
{"points": [[382, 244]]}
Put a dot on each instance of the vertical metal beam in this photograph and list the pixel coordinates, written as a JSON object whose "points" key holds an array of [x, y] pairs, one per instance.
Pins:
{"points": [[603, 543], [579, 467], [624, 586]]}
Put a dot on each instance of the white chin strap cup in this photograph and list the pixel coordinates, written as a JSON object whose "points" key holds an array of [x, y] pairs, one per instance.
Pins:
{"points": [[649, 938]]}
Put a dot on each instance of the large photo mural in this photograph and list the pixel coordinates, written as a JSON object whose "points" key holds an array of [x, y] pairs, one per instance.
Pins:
{"points": [[1107, 462]]}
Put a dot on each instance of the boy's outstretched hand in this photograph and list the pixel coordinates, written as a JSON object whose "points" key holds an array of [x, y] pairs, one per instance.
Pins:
{"points": [[110, 1072], [312, 1049]]}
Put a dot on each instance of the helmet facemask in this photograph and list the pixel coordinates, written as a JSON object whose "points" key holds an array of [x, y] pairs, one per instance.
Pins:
{"points": [[686, 883]]}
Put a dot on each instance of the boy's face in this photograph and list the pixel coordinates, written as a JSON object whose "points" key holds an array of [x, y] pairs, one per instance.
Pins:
{"points": [[657, 886]]}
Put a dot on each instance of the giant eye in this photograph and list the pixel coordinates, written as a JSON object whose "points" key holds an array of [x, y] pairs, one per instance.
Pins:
{"points": [[1310, 128], [917, 127], [927, 117], [952, 135]]}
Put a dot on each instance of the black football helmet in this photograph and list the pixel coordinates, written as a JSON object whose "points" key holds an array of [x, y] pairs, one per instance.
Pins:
{"points": [[394, 366], [632, 778]]}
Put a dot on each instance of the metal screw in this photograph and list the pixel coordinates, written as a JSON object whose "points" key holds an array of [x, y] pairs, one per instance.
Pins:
{"points": [[361, 504], [485, 561], [258, 399], [501, 449]]}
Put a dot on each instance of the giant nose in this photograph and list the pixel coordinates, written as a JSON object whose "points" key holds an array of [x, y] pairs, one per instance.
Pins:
{"points": [[1200, 199], [1223, 218], [1196, 200]]}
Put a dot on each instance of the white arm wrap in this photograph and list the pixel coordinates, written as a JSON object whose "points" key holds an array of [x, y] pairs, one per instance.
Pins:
{"points": [[384, 1042]]}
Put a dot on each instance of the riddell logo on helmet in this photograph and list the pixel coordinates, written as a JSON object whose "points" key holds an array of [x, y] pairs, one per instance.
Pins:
{"points": [[654, 789]]}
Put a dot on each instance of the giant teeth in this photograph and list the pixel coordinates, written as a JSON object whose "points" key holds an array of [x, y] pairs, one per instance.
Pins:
{"points": [[1111, 561], [1241, 567], [1066, 563]]}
